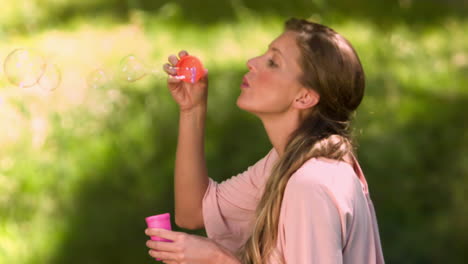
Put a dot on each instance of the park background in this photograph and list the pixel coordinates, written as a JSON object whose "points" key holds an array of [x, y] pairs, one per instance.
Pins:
{"points": [[82, 166]]}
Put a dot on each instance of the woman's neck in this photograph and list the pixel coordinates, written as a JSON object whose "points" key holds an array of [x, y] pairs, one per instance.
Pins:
{"points": [[279, 128]]}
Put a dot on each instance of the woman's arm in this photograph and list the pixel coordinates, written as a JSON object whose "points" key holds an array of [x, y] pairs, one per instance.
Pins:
{"points": [[190, 174], [191, 177], [226, 257]]}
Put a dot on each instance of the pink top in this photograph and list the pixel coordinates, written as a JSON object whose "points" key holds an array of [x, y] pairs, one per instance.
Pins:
{"points": [[326, 216]]}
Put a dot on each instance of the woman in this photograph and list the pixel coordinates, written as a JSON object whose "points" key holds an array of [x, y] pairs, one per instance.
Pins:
{"points": [[307, 200]]}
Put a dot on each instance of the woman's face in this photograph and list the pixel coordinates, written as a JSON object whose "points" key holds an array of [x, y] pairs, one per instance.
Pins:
{"points": [[272, 83]]}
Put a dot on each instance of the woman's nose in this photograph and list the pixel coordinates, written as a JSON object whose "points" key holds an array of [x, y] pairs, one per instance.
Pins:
{"points": [[250, 64]]}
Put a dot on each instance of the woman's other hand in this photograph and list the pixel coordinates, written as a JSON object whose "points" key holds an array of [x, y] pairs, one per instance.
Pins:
{"points": [[186, 248]]}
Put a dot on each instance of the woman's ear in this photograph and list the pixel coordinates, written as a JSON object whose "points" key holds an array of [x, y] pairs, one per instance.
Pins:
{"points": [[307, 98]]}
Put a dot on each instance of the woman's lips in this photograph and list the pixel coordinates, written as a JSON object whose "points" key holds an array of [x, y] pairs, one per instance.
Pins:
{"points": [[245, 83]]}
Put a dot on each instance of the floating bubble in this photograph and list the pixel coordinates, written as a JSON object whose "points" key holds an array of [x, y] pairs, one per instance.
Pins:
{"points": [[51, 78], [132, 69], [24, 68], [98, 79]]}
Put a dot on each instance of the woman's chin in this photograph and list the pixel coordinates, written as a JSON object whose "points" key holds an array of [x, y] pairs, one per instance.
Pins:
{"points": [[251, 108], [242, 104]]}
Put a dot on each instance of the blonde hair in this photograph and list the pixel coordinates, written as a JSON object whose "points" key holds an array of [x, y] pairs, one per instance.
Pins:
{"points": [[331, 67]]}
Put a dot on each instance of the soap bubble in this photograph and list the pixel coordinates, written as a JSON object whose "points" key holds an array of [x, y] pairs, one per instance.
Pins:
{"points": [[132, 69], [98, 79], [24, 68], [51, 78]]}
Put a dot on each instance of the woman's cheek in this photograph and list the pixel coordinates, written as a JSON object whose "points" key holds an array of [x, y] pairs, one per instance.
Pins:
{"points": [[265, 78]]}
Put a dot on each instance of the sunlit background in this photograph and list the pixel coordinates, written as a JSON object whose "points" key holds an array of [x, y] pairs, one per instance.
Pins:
{"points": [[83, 164]]}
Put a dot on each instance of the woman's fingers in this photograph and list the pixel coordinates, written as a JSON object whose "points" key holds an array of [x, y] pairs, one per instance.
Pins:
{"points": [[169, 69], [163, 233], [162, 246], [182, 53], [173, 60], [173, 79], [167, 256]]}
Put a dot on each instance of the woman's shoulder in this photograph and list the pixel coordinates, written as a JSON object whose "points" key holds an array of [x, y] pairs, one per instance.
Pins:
{"points": [[337, 178]]}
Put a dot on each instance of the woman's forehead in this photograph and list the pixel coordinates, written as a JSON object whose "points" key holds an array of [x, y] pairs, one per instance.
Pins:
{"points": [[286, 45], [286, 40]]}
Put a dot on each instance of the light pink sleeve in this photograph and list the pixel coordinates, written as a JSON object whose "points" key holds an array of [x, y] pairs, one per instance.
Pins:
{"points": [[312, 229], [229, 207]]}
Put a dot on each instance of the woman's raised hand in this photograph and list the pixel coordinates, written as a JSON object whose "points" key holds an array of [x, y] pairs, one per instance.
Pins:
{"points": [[188, 95]]}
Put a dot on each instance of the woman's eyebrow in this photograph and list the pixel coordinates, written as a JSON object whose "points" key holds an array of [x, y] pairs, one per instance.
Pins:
{"points": [[276, 50]]}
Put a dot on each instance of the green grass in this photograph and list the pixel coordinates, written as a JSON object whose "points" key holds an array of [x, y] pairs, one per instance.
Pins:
{"points": [[81, 168]]}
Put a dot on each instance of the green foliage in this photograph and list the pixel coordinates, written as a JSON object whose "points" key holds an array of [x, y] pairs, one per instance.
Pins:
{"points": [[80, 192], [31, 15]]}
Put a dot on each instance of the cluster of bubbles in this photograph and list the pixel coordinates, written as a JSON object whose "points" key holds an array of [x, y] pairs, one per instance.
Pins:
{"points": [[25, 68], [131, 69]]}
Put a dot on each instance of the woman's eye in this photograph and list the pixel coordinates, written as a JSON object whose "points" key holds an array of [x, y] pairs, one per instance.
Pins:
{"points": [[271, 63]]}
